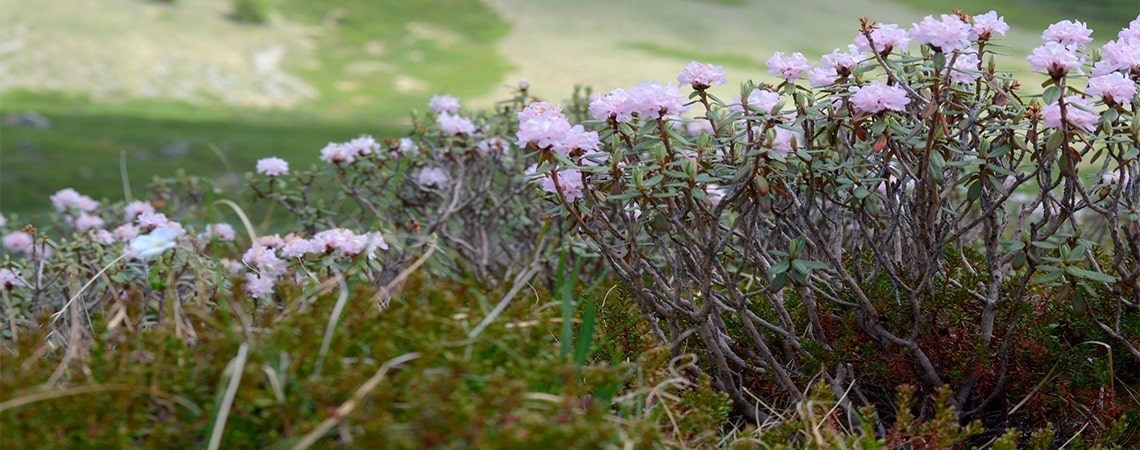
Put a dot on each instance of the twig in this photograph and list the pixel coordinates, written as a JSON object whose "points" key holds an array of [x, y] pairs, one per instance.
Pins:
{"points": [[349, 405]]}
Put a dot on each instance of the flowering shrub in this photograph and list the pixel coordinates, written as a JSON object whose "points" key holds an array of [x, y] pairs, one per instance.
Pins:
{"points": [[919, 207], [454, 176]]}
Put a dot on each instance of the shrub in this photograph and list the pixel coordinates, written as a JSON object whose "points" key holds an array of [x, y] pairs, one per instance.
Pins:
{"points": [[904, 222]]}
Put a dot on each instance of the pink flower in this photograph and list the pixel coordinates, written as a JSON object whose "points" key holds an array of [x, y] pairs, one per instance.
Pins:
{"points": [[701, 76], [133, 209], [272, 166], [444, 104], [104, 237], [1055, 59], [373, 241], [614, 105], [1118, 55], [335, 153], [540, 109], [270, 241], [543, 131], [1116, 88], [822, 76], [454, 125], [68, 199], [3, 221], [1132, 33], [406, 145], [1068, 33], [432, 177], [222, 231], [18, 241], [1078, 112], [656, 100], [759, 101], [363, 145], [697, 127], [785, 142], [152, 220], [887, 38], [569, 180], [126, 232], [844, 61], [985, 25], [296, 247], [264, 260], [259, 285], [576, 139], [965, 68], [10, 279], [88, 222], [231, 266], [493, 145], [946, 34], [348, 243], [790, 68], [878, 96]]}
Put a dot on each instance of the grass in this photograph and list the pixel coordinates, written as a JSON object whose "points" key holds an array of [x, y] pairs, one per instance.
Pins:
{"points": [[82, 150]]}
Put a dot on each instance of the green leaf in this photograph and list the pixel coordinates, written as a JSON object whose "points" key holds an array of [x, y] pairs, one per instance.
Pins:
{"points": [[939, 61], [1052, 275], [1051, 95], [1090, 275], [585, 333], [975, 190], [1054, 141]]}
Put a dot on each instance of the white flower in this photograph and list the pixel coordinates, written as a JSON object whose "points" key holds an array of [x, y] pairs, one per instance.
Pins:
{"points": [[151, 245]]}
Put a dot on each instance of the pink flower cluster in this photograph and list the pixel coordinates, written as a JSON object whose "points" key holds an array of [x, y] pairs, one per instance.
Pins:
{"points": [[947, 34], [1119, 64], [22, 242], [1061, 51], [1114, 87], [542, 125], [265, 257], [569, 180], [1055, 59], [759, 101], [454, 125], [444, 104], [347, 152], [221, 231], [837, 64], [1078, 113], [986, 25], [1068, 33], [887, 38], [789, 68], [432, 177], [965, 67], [10, 279], [701, 76], [135, 208], [647, 100], [878, 96], [272, 166], [69, 199]]}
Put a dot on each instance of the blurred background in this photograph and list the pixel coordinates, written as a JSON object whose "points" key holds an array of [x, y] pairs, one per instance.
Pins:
{"points": [[88, 87]]}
